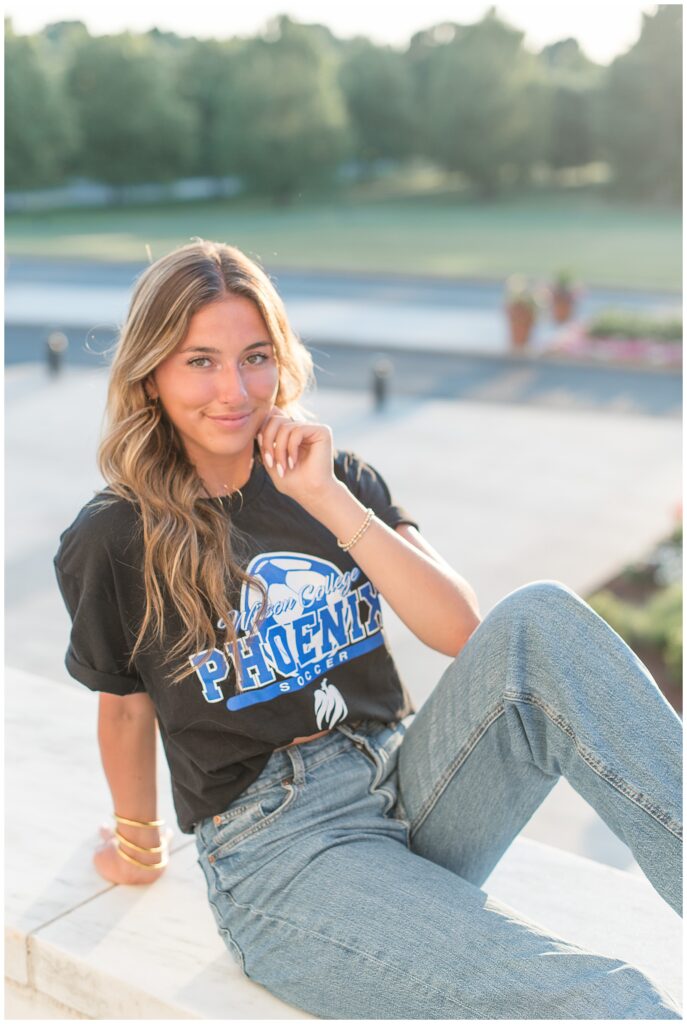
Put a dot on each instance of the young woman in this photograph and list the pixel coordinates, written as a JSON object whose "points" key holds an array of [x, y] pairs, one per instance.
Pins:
{"points": [[227, 584]]}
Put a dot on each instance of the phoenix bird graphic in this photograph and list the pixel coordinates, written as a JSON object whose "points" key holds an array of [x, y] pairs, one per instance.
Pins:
{"points": [[330, 707]]}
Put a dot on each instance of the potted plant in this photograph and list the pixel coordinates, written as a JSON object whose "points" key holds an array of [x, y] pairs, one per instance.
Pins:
{"points": [[563, 295], [522, 309]]}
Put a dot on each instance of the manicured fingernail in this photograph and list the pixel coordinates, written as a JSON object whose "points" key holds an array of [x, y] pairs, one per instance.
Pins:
{"points": [[280, 469], [268, 459], [291, 463]]}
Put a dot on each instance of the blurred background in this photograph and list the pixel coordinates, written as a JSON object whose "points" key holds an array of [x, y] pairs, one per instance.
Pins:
{"points": [[476, 227]]}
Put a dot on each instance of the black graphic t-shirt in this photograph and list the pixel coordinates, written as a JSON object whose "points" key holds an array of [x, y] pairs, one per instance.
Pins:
{"points": [[318, 658]]}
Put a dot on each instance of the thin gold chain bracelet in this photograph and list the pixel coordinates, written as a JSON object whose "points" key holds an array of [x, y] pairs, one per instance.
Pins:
{"points": [[356, 537]]}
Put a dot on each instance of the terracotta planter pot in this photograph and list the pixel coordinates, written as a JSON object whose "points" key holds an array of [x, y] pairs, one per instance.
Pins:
{"points": [[521, 321], [563, 303]]}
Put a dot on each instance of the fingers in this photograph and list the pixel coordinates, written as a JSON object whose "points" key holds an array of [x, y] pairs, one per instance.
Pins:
{"points": [[292, 444], [279, 440], [285, 446], [267, 435]]}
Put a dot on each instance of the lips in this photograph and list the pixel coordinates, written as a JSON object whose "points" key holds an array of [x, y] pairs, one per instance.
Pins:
{"points": [[233, 418], [233, 422]]}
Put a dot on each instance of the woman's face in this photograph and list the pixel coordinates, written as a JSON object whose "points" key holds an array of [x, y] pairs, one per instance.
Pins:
{"points": [[219, 384]]}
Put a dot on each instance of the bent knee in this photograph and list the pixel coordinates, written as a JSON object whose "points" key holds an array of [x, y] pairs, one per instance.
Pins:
{"points": [[543, 591], [538, 600]]}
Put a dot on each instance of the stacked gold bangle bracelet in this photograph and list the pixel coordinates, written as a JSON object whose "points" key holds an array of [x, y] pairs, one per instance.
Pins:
{"points": [[356, 537], [143, 849]]}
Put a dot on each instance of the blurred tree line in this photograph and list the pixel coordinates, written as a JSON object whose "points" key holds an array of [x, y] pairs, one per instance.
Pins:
{"points": [[290, 107]]}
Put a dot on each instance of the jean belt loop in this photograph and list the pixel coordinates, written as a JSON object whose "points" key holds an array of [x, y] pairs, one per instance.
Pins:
{"points": [[296, 759], [349, 729]]}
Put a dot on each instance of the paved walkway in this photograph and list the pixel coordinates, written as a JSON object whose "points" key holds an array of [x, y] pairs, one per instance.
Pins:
{"points": [[358, 322], [508, 494], [405, 313]]}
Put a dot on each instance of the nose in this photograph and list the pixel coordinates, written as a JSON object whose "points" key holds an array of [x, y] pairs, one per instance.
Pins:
{"points": [[231, 386]]}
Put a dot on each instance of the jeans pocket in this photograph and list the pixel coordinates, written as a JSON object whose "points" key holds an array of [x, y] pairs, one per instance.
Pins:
{"points": [[243, 820]]}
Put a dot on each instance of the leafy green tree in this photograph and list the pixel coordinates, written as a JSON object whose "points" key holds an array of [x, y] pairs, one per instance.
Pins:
{"points": [[574, 82], [40, 132], [207, 78], [419, 62], [380, 101], [572, 138], [135, 128], [288, 127], [566, 57], [58, 41], [486, 105], [642, 110]]}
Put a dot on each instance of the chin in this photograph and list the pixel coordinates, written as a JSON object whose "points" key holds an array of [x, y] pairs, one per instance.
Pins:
{"points": [[234, 447]]}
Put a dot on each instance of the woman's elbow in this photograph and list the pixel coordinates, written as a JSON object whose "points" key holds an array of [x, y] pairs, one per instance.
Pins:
{"points": [[470, 620], [136, 706]]}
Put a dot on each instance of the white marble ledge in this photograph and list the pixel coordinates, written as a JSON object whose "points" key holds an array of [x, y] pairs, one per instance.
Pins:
{"points": [[149, 953], [155, 952], [56, 796], [24, 1003], [594, 906]]}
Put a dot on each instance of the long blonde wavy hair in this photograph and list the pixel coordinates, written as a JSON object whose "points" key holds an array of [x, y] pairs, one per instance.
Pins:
{"points": [[188, 544]]}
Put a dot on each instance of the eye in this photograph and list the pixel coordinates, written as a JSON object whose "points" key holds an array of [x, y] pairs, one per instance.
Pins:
{"points": [[257, 355], [197, 360]]}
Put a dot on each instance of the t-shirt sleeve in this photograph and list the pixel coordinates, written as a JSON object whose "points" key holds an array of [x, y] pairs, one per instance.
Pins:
{"points": [[92, 578], [98, 650], [370, 488]]}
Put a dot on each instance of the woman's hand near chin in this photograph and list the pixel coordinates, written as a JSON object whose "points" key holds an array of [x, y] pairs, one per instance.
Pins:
{"points": [[301, 456]]}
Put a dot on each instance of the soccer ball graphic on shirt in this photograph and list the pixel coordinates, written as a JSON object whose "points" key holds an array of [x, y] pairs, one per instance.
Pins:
{"points": [[287, 577], [315, 620]]}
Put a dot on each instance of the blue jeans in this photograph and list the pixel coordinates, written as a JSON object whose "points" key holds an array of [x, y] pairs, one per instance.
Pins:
{"points": [[346, 878]]}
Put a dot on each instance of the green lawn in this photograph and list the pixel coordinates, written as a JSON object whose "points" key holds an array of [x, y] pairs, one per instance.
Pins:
{"points": [[427, 235]]}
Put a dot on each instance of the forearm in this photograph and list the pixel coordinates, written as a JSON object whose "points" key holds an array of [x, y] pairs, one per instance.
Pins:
{"points": [[433, 600], [128, 755]]}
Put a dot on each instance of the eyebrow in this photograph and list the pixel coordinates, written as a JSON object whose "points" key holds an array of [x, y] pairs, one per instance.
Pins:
{"points": [[216, 351]]}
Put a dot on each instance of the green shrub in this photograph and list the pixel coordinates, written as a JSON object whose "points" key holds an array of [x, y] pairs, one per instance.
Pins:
{"points": [[657, 623], [626, 324], [637, 572]]}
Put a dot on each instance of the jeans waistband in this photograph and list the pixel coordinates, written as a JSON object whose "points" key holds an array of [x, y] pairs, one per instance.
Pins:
{"points": [[293, 761]]}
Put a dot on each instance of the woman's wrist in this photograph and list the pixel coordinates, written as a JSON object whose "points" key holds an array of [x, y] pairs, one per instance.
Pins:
{"points": [[119, 863], [140, 841], [144, 837], [340, 511], [320, 505]]}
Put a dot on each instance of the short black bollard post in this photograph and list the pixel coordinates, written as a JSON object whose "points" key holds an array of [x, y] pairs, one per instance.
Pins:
{"points": [[381, 373], [55, 349]]}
